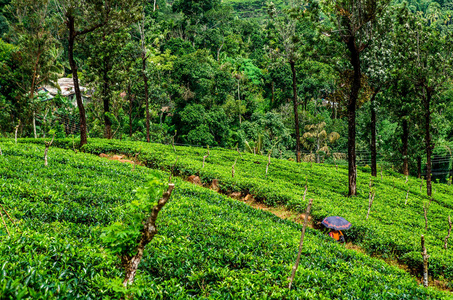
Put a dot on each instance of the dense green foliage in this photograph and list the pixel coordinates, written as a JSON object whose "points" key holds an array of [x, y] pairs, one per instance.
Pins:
{"points": [[392, 230], [208, 246]]}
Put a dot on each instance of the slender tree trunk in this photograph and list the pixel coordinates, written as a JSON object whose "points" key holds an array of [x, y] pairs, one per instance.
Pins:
{"points": [[130, 108], [429, 146], [106, 99], [352, 104], [145, 82], [296, 114], [34, 124], [373, 136], [404, 140], [73, 65]]}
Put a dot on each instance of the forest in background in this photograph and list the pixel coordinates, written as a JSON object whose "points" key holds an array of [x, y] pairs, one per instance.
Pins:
{"points": [[302, 80]]}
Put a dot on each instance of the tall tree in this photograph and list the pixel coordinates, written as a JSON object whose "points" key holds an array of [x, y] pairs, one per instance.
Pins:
{"points": [[30, 30], [352, 23], [287, 36], [429, 64], [80, 18]]}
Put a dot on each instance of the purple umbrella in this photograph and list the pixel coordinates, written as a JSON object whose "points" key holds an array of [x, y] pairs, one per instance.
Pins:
{"points": [[337, 223]]}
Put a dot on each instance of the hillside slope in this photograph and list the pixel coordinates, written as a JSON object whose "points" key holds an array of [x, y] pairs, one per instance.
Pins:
{"points": [[208, 246], [394, 226]]}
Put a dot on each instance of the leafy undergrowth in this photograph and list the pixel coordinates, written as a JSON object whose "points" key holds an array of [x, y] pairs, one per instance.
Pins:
{"points": [[392, 230], [208, 246]]}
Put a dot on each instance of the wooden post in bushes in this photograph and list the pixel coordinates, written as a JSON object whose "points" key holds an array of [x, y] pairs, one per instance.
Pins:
{"points": [[407, 196], [425, 262], [448, 235], [1, 151], [407, 178], [15, 134], [232, 168], [293, 273], [268, 162], [206, 156], [149, 230], [370, 203], [47, 149]]}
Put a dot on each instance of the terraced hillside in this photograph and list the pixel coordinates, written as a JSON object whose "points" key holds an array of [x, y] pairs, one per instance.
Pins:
{"points": [[208, 246], [394, 226]]}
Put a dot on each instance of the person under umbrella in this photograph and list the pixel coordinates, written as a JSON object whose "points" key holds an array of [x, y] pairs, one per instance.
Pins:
{"points": [[336, 224]]}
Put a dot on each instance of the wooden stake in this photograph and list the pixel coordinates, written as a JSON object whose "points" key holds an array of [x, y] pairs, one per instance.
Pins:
{"points": [[149, 230], [407, 178], [15, 134], [370, 203], [232, 168], [1, 151], [448, 235], [293, 273], [425, 262], [47, 149], [204, 157], [173, 141], [268, 162]]}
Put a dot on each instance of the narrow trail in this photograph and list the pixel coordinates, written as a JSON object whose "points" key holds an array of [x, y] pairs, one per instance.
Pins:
{"points": [[283, 213]]}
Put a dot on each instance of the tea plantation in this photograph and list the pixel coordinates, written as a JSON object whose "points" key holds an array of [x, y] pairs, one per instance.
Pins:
{"points": [[392, 230], [208, 246]]}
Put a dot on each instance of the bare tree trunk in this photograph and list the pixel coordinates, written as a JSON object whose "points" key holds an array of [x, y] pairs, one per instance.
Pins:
{"points": [[204, 157], [34, 124], [130, 107], [404, 140], [370, 203], [71, 38], [145, 77], [15, 134], [373, 135], [352, 106], [429, 144], [130, 263], [106, 97], [293, 272], [145, 82], [296, 114], [425, 262], [48, 144]]}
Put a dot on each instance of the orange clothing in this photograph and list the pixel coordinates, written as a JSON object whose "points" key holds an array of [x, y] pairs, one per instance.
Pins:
{"points": [[335, 234]]}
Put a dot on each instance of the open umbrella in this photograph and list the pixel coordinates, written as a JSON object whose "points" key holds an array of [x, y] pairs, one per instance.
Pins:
{"points": [[337, 223]]}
